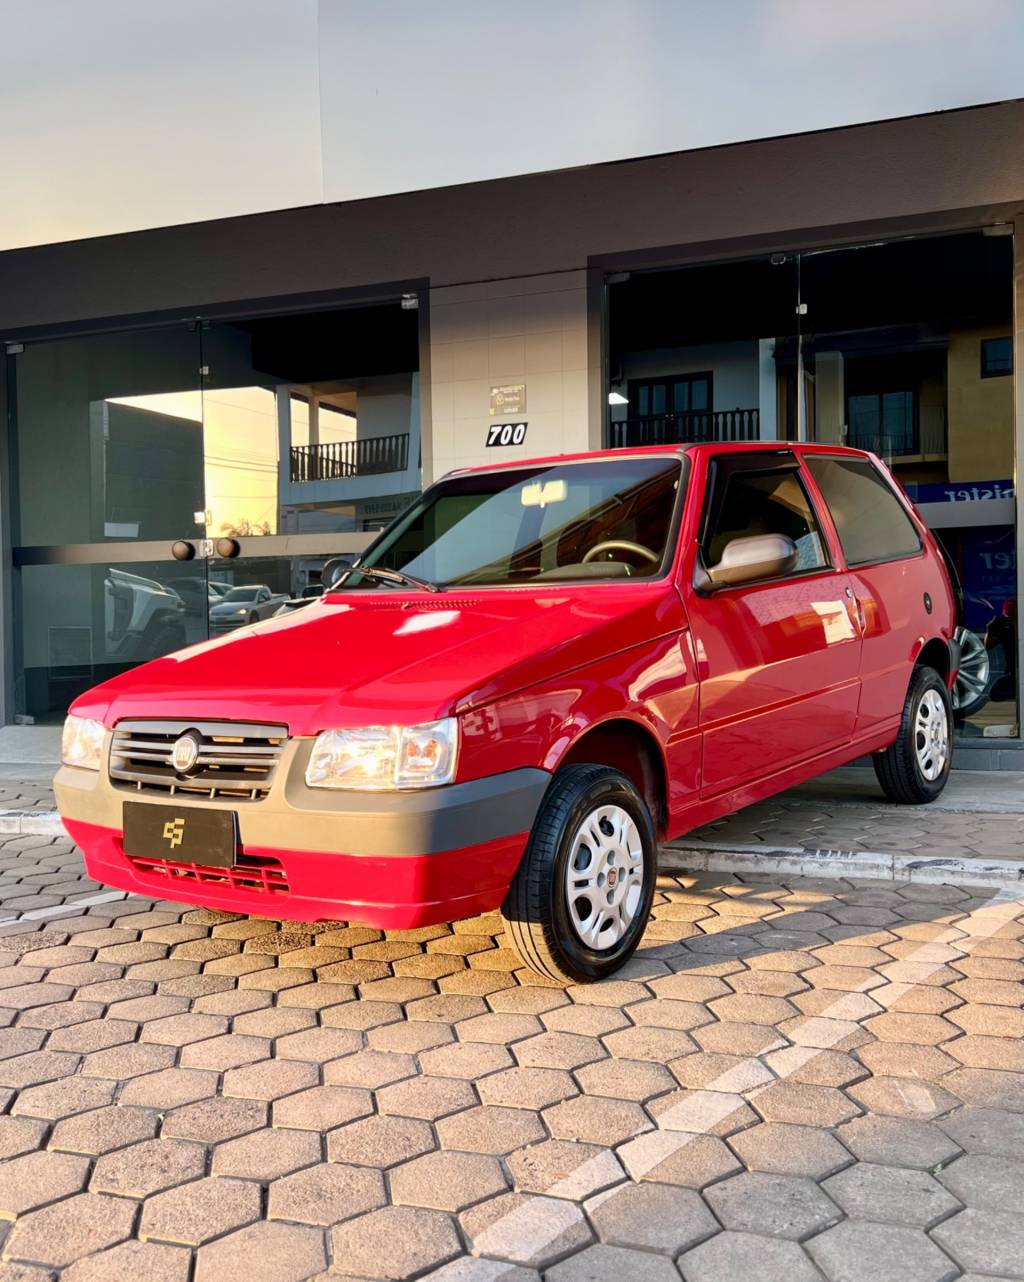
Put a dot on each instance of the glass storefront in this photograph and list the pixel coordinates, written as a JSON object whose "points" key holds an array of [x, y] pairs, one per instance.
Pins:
{"points": [[277, 432], [903, 348]]}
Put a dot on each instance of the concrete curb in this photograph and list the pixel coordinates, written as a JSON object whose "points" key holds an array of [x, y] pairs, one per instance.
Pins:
{"points": [[871, 865], [31, 823], [679, 857]]}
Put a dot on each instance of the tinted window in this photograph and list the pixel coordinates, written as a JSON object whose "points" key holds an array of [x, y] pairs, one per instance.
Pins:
{"points": [[870, 520], [764, 503]]}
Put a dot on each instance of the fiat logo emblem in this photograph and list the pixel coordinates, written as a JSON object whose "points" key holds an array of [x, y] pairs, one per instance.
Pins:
{"points": [[185, 753]]}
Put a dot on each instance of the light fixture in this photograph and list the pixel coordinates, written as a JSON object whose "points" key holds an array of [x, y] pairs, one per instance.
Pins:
{"points": [[615, 397], [410, 302]]}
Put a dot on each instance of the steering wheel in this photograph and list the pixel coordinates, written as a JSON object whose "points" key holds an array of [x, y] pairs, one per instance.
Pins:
{"points": [[637, 549]]}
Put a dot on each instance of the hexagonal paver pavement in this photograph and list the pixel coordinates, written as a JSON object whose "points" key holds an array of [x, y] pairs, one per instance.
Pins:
{"points": [[792, 1080]]}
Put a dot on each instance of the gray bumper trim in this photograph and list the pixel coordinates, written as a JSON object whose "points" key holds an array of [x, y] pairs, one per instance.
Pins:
{"points": [[426, 822]]}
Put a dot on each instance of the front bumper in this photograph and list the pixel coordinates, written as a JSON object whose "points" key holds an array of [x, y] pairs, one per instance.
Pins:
{"points": [[391, 860]]}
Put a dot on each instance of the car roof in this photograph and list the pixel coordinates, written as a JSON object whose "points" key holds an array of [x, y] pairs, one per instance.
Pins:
{"points": [[668, 451]]}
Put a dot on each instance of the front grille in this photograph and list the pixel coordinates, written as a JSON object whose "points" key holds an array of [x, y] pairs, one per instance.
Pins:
{"points": [[260, 873], [236, 760]]}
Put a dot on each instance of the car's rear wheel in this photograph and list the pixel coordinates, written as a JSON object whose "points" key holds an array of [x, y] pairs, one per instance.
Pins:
{"points": [[916, 767], [581, 897]]}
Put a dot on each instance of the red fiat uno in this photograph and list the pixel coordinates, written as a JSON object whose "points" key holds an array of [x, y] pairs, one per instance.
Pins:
{"points": [[532, 677]]}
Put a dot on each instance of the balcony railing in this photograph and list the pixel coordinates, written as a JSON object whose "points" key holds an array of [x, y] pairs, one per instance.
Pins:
{"points": [[677, 429], [336, 460]]}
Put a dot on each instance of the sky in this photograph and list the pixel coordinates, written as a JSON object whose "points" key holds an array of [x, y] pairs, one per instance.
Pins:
{"points": [[124, 114]]}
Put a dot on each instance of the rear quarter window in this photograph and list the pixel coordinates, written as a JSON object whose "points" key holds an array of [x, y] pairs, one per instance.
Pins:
{"points": [[870, 520]]}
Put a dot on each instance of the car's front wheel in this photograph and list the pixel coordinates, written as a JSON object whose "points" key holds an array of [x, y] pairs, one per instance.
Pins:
{"points": [[916, 767], [581, 897]]}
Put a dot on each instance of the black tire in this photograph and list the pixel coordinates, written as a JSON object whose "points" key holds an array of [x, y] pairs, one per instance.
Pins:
{"points": [[254, 617], [899, 767], [536, 909]]}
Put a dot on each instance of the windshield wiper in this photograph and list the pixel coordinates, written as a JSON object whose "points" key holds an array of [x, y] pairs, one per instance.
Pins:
{"points": [[391, 576]]}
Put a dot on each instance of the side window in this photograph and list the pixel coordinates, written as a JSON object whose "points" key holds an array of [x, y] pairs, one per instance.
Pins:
{"points": [[871, 521], [771, 502]]}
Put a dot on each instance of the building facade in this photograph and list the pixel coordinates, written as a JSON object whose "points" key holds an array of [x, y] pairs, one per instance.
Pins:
{"points": [[290, 380]]}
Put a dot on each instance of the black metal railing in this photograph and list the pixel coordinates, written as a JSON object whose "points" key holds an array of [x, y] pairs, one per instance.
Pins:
{"points": [[335, 460], [677, 429]]}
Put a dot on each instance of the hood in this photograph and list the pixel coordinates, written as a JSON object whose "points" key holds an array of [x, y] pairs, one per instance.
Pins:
{"points": [[371, 658]]}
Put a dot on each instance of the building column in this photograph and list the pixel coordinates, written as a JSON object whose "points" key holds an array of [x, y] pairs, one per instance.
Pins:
{"points": [[509, 351]]}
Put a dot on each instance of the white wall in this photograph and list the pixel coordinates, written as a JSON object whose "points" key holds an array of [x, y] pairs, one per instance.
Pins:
{"points": [[126, 114], [531, 330]]}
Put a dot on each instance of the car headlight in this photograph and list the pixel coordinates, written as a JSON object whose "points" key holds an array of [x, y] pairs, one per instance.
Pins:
{"points": [[82, 743], [385, 757]]}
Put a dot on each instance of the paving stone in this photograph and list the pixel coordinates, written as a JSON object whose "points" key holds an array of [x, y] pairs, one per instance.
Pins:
{"points": [[525, 1228], [731, 1038], [265, 1252], [802, 1064], [210, 1121], [55, 1100], [711, 1071], [986, 1182], [169, 1088], [203, 1209], [781, 1205], [730, 1256], [985, 1241], [897, 1059], [664, 1012], [804, 1105], [92, 1035], [596, 1120], [559, 1050], [37, 1178], [103, 1129], [409, 1039], [601, 1263], [781, 1148], [180, 1030], [973, 1051], [985, 1130], [147, 1167], [656, 1217], [526, 1087], [625, 1079], [678, 1157], [267, 1155], [987, 1088], [20, 1135], [322, 1108], [919, 1030], [855, 1250], [703, 1112], [447, 1181], [326, 1194], [371, 1069], [429, 1098], [891, 1194], [380, 1142], [891, 1141], [36, 1067], [270, 1079], [394, 1242], [468, 1060], [902, 1097], [65, 1231], [993, 992], [564, 1168], [121, 1062], [155, 1263], [490, 1129]]}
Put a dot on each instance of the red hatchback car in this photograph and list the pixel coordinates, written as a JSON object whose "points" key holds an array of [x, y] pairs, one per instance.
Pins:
{"points": [[532, 677]]}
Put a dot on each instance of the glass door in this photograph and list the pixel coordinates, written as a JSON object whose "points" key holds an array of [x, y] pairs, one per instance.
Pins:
{"points": [[907, 352], [107, 468]]}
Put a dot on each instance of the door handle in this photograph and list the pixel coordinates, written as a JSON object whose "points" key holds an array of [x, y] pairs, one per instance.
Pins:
{"points": [[852, 596]]}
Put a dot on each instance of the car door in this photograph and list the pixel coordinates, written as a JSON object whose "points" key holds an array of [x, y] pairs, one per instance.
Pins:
{"points": [[778, 656]]}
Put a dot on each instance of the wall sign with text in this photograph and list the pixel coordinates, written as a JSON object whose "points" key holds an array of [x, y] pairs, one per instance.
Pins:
{"points": [[508, 398], [506, 434]]}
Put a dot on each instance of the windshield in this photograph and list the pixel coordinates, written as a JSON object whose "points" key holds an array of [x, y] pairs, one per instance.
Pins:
{"points": [[601, 519], [241, 594]]}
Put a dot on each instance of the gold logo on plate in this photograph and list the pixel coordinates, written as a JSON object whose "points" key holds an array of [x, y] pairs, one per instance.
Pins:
{"points": [[174, 831]]}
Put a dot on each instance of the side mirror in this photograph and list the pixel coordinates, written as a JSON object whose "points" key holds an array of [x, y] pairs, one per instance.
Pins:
{"points": [[334, 569], [759, 556]]}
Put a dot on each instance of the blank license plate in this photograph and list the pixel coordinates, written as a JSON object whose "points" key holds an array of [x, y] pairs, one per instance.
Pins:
{"points": [[186, 835]]}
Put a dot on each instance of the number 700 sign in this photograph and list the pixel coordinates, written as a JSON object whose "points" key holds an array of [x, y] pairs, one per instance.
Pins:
{"points": [[506, 434]]}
